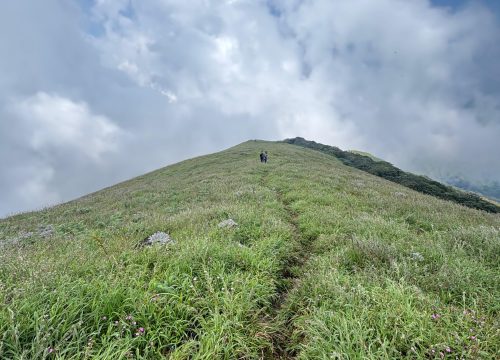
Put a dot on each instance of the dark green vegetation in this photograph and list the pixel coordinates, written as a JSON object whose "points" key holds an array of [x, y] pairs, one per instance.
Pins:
{"points": [[392, 173], [373, 157], [328, 262]]}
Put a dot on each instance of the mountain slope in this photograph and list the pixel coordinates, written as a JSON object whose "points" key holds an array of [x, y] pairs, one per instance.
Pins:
{"points": [[326, 261], [390, 172]]}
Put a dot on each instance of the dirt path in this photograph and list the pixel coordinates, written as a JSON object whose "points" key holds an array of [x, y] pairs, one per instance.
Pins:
{"points": [[291, 274]]}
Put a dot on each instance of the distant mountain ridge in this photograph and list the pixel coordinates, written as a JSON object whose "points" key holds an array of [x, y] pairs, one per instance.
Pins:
{"points": [[389, 172], [489, 189]]}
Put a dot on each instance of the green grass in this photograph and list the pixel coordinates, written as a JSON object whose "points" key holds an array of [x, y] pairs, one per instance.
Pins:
{"points": [[388, 171], [322, 265]]}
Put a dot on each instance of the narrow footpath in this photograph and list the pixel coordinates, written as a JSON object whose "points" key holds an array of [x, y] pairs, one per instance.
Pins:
{"points": [[291, 273]]}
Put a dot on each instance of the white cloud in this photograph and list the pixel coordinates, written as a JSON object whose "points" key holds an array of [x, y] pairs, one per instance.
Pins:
{"points": [[412, 83], [34, 189], [56, 149], [55, 122]]}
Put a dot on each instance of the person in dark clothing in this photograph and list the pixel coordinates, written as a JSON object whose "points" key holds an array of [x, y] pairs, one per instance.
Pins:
{"points": [[262, 156], [265, 157]]}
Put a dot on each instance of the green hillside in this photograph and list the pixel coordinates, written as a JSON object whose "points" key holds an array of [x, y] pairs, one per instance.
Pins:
{"points": [[388, 171], [325, 262]]}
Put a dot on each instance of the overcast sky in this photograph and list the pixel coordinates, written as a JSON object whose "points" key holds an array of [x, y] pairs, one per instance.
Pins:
{"points": [[93, 92]]}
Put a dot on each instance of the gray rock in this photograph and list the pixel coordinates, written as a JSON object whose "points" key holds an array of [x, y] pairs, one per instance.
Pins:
{"points": [[43, 231], [46, 231], [158, 238], [400, 194], [25, 235], [417, 256], [8, 241], [229, 223]]}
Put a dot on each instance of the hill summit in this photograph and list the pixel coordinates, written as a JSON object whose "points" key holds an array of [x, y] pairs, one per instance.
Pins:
{"points": [[224, 257]]}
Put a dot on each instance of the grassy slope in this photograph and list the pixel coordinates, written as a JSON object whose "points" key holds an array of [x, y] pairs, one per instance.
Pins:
{"points": [[388, 171], [322, 265]]}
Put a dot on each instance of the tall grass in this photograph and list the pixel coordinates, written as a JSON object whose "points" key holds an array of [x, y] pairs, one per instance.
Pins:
{"points": [[393, 274], [385, 272]]}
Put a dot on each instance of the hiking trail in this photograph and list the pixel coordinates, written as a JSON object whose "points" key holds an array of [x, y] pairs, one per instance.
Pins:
{"points": [[290, 278]]}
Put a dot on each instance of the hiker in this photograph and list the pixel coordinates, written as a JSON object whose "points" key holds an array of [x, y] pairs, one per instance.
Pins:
{"points": [[265, 157], [262, 156]]}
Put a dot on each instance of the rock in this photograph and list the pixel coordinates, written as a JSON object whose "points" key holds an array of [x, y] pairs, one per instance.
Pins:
{"points": [[24, 235], [45, 231], [158, 238], [417, 256], [8, 241], [229, 223], [400, 194]]}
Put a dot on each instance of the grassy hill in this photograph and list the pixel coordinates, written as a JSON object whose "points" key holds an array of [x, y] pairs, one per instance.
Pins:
{"points": [[388, 171], [326, 261]]}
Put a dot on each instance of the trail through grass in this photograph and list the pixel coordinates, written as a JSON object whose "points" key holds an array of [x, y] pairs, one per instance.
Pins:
{"points": [[290, 279], [392, 274]]}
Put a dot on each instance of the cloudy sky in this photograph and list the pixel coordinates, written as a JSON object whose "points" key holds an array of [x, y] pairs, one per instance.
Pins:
{"points": [[93, 92]]}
